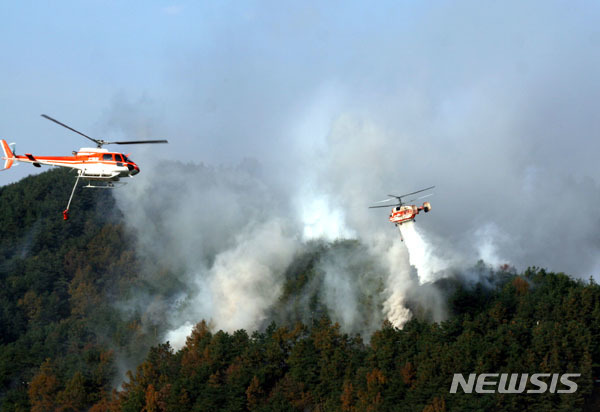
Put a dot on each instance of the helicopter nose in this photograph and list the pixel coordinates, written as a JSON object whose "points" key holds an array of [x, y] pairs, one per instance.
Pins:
{"points": [[133, 169]]}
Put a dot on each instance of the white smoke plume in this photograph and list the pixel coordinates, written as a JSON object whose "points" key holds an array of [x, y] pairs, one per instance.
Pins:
{"points": [[216, 233], [240, 286], [247, 280], [226, 235], [398, 284], [218, 240], [352, 287]]}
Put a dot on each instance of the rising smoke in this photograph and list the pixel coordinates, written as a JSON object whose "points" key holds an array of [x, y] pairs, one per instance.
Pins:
{"points": [[498, 117], [226, 237]]}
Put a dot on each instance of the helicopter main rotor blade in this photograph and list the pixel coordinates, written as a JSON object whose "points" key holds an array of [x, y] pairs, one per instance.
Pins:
{"points": [[420, 197], [139, 142], [374, 207], [408, 194], [71, 129], [381, 201]]}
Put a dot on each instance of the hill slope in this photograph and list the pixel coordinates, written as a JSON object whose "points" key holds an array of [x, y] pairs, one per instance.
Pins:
{"points": [[65, 343]]}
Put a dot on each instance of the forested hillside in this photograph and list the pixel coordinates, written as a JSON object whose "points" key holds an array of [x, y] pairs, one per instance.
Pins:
{"points": [[65, 343], [57, 280]]}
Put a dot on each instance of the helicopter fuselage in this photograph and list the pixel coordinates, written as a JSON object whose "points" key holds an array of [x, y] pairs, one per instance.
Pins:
{"points": [[94, 163], [407, 213]]}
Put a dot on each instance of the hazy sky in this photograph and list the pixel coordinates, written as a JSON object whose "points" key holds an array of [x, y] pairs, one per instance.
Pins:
{"points": [[495, 103]]}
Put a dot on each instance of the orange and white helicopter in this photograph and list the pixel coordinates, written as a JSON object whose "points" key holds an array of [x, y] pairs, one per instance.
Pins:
{"points": [[401, 212], [95, 164]]}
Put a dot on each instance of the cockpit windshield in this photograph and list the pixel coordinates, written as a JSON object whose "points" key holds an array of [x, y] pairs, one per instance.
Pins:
{"points": [[125, 159]]}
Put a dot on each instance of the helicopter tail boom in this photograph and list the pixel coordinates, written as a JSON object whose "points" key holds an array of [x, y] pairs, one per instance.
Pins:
{"points": [[9, 156]]}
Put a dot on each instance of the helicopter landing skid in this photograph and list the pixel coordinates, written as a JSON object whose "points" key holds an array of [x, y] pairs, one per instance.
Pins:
{"points": [[108, 185]]}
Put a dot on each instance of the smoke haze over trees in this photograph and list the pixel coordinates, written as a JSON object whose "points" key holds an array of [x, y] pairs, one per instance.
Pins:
{"points": [[71, 327]]}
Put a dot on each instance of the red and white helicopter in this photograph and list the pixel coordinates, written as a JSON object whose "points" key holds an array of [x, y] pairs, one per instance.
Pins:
{"points": [[95, 164], [401, 212]]}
